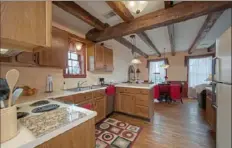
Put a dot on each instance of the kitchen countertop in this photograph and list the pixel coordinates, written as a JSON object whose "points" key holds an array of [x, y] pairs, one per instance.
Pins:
{"points": [[132, 85], [55, 94], [35, 130]]}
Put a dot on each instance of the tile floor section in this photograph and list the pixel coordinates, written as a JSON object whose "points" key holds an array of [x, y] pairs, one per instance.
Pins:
{"points": [[112, 133]]}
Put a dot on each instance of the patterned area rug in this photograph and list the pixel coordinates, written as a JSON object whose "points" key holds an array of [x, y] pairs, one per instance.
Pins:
{"points": [[112, 133]]}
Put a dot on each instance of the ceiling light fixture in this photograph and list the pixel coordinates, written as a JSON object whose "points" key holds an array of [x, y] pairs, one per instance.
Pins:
{"points": [[136, 6], [165, 65], [135, 60], [78, 46], [3, 51]]}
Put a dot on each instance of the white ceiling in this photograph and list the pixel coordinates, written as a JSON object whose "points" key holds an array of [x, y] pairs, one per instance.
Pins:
{"points": [[99, 9], [221, 25], [184, 32], [66, 19]]}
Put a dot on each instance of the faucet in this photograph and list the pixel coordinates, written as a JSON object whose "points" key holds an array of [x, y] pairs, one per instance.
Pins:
{"points": [[79, 83]]}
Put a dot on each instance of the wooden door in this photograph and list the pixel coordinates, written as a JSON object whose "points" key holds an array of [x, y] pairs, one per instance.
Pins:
{"points": [[117, 102], [108, 56], [33, 21], [100, 108], [57, 55], [99, 57], [127, 103]]}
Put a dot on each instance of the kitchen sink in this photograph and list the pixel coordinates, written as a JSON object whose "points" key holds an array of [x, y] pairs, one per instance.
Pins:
{"points": [[85, 88]]}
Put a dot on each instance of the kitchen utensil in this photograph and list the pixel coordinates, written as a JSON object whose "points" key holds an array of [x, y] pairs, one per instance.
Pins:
{"points": [[12, 77], [16, 94]]}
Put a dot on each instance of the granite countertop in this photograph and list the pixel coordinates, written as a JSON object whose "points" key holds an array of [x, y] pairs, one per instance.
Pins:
{"points": [[133, 85], [37, 129]]}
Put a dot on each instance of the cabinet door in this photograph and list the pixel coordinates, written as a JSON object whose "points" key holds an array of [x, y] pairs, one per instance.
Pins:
{"points": [[99, 57], [117, 102], [108, 56], [100, 108], [127, 103], [33, 21], [57, 55]]}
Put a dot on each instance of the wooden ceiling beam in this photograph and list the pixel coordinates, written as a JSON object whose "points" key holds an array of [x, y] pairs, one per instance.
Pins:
{"points": [[76, 10], [180, 12], [127, 44], [120, 8], [212, 47], [205, 28], [169, 4], [144, 37]]}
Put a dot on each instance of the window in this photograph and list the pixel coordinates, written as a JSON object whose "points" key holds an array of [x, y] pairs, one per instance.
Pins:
{"points": [[76, 67], [156, 72], [199, 70]]}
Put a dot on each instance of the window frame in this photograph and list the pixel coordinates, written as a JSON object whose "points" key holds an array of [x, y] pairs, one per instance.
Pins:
{"points": [[82, 53], [157, 60]]}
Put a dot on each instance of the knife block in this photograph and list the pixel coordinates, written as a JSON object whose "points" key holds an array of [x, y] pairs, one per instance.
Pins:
{"points": [[9, 127]]}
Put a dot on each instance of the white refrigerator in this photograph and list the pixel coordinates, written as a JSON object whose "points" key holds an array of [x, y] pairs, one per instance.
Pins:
{"points": [[222, 86]]}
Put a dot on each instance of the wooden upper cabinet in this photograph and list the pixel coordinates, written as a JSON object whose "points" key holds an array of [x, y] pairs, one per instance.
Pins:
{"points": [[108, 58], [26, 25], [99, 58], [57, 55]]}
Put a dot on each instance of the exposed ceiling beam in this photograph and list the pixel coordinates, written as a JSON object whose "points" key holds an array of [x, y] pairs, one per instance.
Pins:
{"points": [[120, 8], [169, 4], [74, 9], [127, 44], [205, 28], [212, 47], [163, 17], [147, 41]]}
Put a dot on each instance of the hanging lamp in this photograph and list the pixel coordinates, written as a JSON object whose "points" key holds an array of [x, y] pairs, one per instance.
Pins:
{"points": [[165, 65], [135, 60]]}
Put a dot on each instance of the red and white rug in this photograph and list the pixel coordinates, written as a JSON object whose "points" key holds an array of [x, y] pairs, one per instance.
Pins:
{"points": [[112, 133]]}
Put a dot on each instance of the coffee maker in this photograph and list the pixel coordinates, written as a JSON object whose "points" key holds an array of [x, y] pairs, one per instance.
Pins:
{"points": [[102, 81]]}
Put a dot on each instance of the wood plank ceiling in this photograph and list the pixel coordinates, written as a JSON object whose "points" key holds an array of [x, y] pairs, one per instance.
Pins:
{"points": [[167, 17]]}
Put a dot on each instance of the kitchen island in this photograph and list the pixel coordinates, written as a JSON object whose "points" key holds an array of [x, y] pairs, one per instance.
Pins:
{"points": [[135, 99]]}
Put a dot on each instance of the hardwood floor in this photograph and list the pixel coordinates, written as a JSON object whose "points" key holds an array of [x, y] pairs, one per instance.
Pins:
{"points": [[173, 126]]}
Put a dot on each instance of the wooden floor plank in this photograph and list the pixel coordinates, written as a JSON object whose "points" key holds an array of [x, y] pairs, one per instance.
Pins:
{"points": [[173, 126]]}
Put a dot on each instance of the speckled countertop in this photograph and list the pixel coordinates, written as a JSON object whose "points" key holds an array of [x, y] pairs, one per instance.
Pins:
{"points": [[37, 129], [42, 124]]}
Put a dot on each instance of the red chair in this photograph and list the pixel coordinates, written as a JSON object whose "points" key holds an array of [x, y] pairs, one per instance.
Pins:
{"points": [[175, 92], [156, 92]]}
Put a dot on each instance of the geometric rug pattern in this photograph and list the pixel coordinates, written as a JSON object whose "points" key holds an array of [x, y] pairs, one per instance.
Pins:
{"points": [[112, 133]]}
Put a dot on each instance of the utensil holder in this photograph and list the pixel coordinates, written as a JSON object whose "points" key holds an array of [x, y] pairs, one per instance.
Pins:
{"points": [[9, 127]]}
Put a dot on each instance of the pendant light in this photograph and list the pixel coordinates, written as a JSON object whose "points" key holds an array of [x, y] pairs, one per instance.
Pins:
{"points": [[136, 6], [135, 60], [165, 65]]}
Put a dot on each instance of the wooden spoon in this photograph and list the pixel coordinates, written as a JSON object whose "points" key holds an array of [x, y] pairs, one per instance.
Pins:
{"points": [[12, 77]]}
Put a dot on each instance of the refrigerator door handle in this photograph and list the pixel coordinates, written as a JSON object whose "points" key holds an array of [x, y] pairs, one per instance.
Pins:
{"points": [[214, 61]]}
